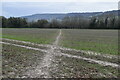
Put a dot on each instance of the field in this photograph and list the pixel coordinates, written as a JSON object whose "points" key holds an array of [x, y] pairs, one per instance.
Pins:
{"points": [[32, 35], [102, 41], [17, 60], [51, 53]]}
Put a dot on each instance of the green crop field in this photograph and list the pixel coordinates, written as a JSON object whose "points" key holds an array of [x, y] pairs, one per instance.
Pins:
{"points": [[102, 41], [41, 36]]}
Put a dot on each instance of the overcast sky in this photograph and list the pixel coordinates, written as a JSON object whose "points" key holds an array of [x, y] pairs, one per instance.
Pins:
{"points": [[19, 8]]}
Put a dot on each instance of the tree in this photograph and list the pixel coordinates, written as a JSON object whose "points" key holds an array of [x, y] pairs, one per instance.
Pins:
{"points": [[92, 24], [106, 22], [42, 23], [17, 22], [55, 24], [113, 22], [4, 22]]}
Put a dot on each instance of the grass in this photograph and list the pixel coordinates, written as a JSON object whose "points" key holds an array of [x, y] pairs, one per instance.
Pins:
{"points": [[102, 41], [42, 36]]}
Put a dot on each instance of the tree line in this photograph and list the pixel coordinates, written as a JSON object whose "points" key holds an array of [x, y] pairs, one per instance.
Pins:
{"points": [[66, 23]]}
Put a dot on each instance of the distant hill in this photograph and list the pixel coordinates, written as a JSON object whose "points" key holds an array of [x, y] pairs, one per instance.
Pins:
{"points": [[49, 17], [36, 17], [110, 14]]}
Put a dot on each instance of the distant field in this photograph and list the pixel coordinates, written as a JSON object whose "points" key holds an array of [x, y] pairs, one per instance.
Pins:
{"points": [[103, 41], [42, 36]]}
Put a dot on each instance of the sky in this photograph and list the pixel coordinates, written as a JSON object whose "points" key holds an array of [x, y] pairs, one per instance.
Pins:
{"points": [[17, 8]]}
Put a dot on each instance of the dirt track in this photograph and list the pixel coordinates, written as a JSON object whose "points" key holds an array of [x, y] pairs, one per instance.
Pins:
{"points": [[45, 67]]}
